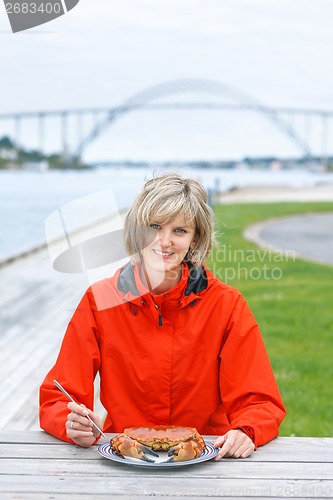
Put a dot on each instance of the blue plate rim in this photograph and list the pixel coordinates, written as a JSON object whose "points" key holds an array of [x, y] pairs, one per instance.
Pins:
{"points": [[208, 453]]}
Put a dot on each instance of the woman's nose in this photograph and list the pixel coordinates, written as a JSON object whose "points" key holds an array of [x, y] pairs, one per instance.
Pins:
{"points": [[165, 238]]}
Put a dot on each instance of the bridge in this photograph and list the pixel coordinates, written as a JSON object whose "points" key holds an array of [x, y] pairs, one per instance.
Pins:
{"points": [[70, 121]]}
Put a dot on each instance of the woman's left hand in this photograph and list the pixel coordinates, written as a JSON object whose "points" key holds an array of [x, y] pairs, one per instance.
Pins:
{"points": [[234, 444]]}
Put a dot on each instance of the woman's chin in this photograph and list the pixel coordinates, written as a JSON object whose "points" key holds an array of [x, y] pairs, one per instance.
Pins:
{"points": [[162, 267]]}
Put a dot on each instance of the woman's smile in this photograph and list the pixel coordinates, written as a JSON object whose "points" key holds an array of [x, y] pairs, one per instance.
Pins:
{"points": [[164, 255]]}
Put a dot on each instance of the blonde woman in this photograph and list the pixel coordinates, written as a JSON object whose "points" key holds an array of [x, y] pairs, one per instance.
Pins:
{"points": [[173, 344]]}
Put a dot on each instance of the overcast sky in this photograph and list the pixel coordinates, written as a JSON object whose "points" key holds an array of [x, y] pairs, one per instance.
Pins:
{"points": [[104, 51]]}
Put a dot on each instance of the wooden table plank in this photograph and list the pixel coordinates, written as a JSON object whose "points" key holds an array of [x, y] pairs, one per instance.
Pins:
{"points": [[226, 468], [179, 487]]}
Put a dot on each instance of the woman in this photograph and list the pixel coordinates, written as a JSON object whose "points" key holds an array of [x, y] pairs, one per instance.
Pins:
{"points": [[173, 344]]}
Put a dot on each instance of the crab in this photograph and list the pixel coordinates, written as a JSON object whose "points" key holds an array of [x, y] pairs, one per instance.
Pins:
{"points": [[181, 443]]}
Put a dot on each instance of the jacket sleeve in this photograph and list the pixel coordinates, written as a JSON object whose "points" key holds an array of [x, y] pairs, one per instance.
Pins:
{"points": [[249, 392], [75, 369]]}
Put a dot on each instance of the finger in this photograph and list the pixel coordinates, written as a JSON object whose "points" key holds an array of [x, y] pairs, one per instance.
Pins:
{"points": [[76, 408], [83, 410], [244, 446], [80, 419], [93, 416], [76, 426], [248, 451], [240, 449], [79, 413], [224, 451], [237, 450], [219, 441], [230, 443], [240, 446], [76, 434]]}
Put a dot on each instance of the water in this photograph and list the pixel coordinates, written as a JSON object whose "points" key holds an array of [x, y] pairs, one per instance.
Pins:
{"points": [[27, 198]]}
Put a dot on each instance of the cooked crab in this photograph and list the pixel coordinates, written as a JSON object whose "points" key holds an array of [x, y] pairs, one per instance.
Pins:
{"points": [[182, 443]]}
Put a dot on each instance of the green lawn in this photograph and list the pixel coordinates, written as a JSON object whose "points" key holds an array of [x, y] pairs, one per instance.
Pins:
{"points": [[292, 302]]}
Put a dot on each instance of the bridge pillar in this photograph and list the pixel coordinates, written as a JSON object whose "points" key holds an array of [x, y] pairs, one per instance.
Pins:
{"points": [[64, 134], [324, 139], [17, 131], [41, 131]]}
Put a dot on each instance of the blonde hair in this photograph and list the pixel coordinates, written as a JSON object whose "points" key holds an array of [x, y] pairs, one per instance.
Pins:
{"points": [[161, 200]]}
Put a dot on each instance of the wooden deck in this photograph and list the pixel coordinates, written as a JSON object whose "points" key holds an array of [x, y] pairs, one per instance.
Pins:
{"points": [[36, 304]]}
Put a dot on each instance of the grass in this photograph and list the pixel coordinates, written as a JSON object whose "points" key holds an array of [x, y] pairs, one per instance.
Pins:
{"points": [[292, 302]]}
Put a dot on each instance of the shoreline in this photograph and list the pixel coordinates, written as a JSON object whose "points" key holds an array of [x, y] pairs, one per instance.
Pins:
{"points": [[250, 194], [22, 254], [90, 231], [275, 194]]}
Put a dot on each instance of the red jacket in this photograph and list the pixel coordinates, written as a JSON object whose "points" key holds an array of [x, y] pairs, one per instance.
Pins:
{"points": [[193, 356]]}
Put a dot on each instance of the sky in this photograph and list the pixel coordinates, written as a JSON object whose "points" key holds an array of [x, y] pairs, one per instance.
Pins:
{"points": [[104, 51]]}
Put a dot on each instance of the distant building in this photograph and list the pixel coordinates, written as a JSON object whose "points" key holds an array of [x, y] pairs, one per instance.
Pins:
{"points": [[36, 166], [8, 153]]}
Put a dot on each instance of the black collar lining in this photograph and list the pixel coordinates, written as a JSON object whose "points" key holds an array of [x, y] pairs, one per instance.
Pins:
{"points": [[197, 281]]}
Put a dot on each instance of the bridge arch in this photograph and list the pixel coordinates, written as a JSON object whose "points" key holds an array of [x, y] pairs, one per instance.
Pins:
{"points": [[147, 96]]}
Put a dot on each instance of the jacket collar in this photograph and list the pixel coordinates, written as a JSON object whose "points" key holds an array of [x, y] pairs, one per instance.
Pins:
{"points": [[126, 281], [196, 283]]}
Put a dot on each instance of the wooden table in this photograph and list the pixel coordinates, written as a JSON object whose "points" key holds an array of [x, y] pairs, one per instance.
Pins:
{"points": [[37, 466]]}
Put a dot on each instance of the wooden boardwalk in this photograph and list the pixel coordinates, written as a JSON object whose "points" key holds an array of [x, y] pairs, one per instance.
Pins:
{"points": [[36, 304]]}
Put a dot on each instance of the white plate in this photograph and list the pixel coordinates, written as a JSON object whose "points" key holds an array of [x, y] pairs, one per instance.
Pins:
{"points": [[208, 453]]}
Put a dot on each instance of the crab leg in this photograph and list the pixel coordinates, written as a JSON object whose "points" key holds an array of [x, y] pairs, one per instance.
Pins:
{"points": [[185, 451], [125, 446]]}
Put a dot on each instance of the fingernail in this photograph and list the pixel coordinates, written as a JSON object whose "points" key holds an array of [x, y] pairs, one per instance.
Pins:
{"points": [[85, 413]]}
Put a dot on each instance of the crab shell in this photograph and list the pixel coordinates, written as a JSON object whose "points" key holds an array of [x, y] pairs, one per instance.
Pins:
{"points": [[185, 443]]}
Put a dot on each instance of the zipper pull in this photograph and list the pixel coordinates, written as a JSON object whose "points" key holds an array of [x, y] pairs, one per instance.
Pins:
{"points": [[160, 316]]}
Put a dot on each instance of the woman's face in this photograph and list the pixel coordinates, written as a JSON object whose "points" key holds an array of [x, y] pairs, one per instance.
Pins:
{"points": [[166, 245]]}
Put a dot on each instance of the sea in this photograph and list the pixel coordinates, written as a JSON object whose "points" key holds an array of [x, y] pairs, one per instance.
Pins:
{"points": [[29, 198]]}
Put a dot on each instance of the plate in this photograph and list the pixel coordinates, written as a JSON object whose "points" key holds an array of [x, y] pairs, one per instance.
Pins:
{"points": [[208, 453]]}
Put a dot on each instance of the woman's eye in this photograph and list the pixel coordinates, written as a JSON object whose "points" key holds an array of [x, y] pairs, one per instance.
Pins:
{"points": [[180, 230], [155, 226]]}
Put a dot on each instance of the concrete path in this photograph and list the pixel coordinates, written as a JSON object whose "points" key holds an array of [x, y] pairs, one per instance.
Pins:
{"points": [[264, 194], [309, 235]]}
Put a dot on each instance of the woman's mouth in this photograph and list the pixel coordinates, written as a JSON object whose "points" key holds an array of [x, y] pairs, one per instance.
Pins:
{"points": [[164, 255]]}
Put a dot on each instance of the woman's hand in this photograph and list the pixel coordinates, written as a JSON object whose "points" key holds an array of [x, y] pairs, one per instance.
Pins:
{"points": [[78, 427], [234, 444]]}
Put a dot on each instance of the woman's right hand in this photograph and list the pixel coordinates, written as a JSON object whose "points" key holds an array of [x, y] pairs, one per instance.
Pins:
{"points": [[78, 427]]}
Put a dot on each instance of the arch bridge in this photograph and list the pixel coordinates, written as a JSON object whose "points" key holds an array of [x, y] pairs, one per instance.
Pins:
{"points": [[103, 118]]}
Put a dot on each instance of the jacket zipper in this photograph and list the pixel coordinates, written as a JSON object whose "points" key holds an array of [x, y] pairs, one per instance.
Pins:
{"points": [[160, 319]]}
